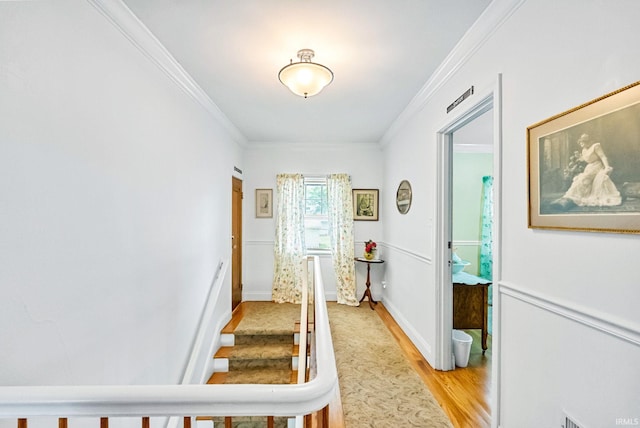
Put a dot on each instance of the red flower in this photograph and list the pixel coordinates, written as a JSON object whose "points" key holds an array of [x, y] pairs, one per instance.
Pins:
{"points": [[369, 246]]}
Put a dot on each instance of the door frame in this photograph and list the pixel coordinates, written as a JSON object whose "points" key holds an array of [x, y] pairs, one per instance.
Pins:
{"points": [[491, 98]]}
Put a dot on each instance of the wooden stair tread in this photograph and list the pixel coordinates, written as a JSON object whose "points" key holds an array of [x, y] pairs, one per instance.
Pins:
{"points": [[241, 352], [236, 317], [266, 338], [294, 375], [296, 328], [223, 352], [263, 377], [217, 378], [296, 351]]}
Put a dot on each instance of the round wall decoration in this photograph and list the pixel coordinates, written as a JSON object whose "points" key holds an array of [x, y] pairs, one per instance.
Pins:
{"points": [[403, 197]]}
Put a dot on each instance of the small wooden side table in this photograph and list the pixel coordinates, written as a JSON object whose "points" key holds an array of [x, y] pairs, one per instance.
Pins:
{"points": [[367, 292], [471, 303], [470, 308]]}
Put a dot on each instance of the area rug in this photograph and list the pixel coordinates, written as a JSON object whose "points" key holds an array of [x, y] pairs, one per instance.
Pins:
{"points": [[378, 386]]}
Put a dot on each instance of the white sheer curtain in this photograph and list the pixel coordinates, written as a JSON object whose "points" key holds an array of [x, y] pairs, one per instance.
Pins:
{"points": [[289, 246], [340, 213]]}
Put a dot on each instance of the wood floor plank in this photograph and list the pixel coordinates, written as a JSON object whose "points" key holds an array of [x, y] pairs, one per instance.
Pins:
{"points": [[336, 413], [464, 393]]}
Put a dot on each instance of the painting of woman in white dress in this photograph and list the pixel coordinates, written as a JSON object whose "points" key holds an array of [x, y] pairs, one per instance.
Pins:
{"points": [[592, 187]]}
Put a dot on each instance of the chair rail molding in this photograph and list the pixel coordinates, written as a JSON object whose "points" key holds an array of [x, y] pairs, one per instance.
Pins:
{"points": [[269, 243], [466, 243], [407, 252], [606, 323]]}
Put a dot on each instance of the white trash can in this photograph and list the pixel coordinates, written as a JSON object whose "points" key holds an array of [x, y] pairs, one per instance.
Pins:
{"points": [[461, 347]]}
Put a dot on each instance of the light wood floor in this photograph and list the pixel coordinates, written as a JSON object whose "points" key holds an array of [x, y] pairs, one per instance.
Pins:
{"points": [[463, 393]]}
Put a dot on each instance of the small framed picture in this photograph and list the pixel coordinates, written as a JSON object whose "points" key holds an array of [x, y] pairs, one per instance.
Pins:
{"points": [[365, 204], [264, 203]]}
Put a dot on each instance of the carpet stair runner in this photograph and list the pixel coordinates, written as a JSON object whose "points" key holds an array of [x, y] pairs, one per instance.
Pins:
{"points": [[256, 358]]}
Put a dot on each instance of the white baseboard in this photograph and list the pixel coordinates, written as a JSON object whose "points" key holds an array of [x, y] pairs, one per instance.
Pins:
{"points": [[331, 296], [256, 296], [423, 346]]}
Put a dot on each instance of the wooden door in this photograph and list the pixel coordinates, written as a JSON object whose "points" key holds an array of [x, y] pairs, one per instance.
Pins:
{"points": [[236, 243]]}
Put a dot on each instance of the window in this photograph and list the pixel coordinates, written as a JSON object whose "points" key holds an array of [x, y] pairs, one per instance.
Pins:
{"points": [[316, 222]]}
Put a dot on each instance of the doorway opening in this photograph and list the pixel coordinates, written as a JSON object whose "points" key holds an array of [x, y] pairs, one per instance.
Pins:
{"points": [[463, 153], [472, 230]]}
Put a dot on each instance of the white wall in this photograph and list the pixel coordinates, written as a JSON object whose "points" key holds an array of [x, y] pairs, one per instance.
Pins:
{"points": [[467, 205], [363, 162], [115, 189], [570, 325]]}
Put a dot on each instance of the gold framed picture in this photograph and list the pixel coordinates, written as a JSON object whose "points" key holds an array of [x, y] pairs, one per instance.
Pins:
{"points": [[264, 203], [365, 204], [584, 166]]}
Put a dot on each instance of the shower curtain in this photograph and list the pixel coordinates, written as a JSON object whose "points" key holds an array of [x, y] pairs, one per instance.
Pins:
{"points": [[486, 244]]}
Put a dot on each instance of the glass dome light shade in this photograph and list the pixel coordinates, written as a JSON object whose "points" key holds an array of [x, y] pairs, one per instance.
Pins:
{"points": [[304, 78]]}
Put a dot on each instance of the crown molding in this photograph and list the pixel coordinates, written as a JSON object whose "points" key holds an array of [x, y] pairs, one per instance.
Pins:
{"points": [[491, 19], [121, 17]]}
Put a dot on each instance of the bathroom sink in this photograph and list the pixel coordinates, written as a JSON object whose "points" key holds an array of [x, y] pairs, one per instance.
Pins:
{"points": [[457, 267]]}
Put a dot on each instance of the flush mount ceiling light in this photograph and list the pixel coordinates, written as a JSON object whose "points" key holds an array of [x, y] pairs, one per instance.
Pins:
{"points": [[305, 78]]}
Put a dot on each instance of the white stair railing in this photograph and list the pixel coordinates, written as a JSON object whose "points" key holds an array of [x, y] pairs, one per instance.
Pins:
{"points": [[114, 401]]}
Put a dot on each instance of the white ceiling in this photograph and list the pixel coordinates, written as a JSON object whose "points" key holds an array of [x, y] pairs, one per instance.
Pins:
{"points": [[382, 52]]}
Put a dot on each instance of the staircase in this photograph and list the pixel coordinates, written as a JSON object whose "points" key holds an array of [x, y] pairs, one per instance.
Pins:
{"points": [[255, 358], [264, 358]]}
